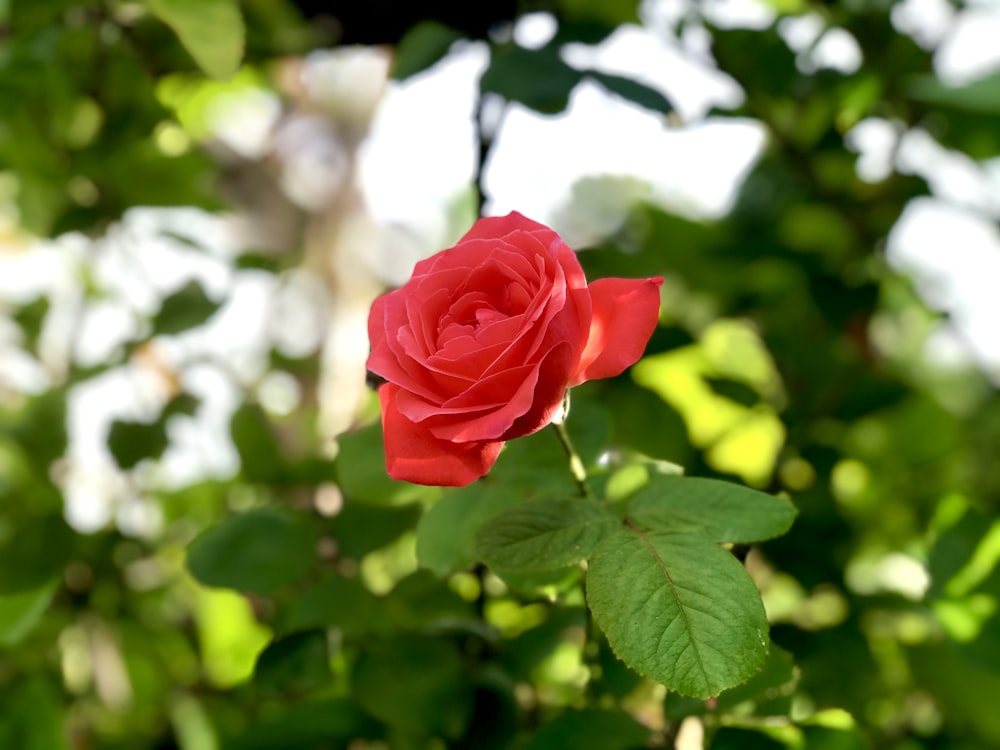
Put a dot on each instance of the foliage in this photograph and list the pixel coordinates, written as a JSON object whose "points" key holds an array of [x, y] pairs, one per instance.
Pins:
{"points": [[308, 601]]}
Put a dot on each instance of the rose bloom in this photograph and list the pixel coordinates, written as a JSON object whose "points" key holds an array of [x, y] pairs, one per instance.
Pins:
{"points": [[482, 343]]}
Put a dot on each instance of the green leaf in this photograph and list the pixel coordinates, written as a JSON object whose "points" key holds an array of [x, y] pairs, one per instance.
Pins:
{"points": [[522, 654], [186, 308], [31, 317], [723, 511], [20, 612], [210, 30], [130, 442], [610, 14], [414, 684], [35, 553], [259, 550], [34, 714], [735, 738], [422, 601], [309, 724], [361, 474], [770, 689], [544, 534], [734, 390], [295, 664], [678, 609], [634, 91], [981, 95], [342, 603], [421, 47], [538, 79], [360, 529], [446, 533], [590, 729], [260, 454]]}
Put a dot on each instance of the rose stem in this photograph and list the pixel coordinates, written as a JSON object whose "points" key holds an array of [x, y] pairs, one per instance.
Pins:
{"points": [[575, 463]]}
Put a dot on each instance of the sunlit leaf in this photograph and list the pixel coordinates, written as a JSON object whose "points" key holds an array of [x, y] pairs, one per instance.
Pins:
{"points": [[723, 511], [678, 609], [210, 30], [544, 534], [20, 612]]}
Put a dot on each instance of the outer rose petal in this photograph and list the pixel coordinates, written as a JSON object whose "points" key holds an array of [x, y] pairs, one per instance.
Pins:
{"points": [[412, 454], [625, 312], [492, 227]]}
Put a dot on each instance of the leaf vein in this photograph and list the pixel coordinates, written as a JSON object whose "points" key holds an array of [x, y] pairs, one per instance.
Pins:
{"points": [[677, 601]]}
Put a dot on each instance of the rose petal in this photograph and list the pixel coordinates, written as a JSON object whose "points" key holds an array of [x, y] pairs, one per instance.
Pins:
{"points": [[550, 390], [412, 454], [625, 313], [491, 227], [484, 412]]}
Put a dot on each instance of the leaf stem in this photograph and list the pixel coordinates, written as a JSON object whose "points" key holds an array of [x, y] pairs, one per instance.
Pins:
{"points": [[576, 467]]}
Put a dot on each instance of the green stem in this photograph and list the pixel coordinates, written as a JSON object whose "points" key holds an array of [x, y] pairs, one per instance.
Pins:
{"points": [[576, 467]]}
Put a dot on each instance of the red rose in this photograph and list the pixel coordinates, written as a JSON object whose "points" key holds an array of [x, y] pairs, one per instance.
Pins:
{"points": [[481, 344]]}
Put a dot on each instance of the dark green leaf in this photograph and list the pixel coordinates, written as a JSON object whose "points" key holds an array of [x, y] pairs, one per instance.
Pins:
{"points": [[186, 308], [295, 664], [609, 14], [590, 729], [773, 682], [544, 534], [342, 603], [30, 317], [522, 654], [678, 609], [131, 442], [421, 47], [733, 738], [415, 684], [35, 553], [360, 529], [734, 390], [312, 724], [259, 550], [423, 601], [830, 738], [634, 91], [260, 454], [538, 79], [34, 714], [723, 511], [40, 428]]}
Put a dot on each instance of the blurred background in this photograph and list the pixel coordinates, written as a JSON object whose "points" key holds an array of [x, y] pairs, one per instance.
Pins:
{"points": [[199, 202]]}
